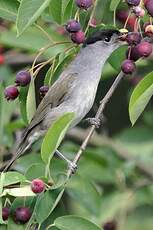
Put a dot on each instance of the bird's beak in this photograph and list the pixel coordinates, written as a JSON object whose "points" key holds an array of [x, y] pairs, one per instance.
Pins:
{"points": [[121, 38]]}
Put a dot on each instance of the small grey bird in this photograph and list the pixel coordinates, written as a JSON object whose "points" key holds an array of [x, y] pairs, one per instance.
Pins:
{"points": [[75, 89]]}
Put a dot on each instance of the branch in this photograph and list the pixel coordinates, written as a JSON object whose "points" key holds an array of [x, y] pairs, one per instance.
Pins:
{"points": [[102, 106], [100, 141], [14, 58]]}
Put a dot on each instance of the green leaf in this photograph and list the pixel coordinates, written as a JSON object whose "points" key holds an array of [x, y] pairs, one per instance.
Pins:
{"points": [[78, 188], [31, 101], [19, 192], [117, 57], [75, 222], [55, 9], [46, 204], [36, 39], [4, 227], [29, 11], [48, 76], [13, 178], [114, 4], [68, 11], [2, 179], [36, 170], [8, 9], [55, 135], [12, 225], [140, 97], [22, 100], [61, 65], [1, 218]]}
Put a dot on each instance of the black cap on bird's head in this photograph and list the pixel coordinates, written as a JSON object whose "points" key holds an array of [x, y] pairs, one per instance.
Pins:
{"points": [[101, 33]]}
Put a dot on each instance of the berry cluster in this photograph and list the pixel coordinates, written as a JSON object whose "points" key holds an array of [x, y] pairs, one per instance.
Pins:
{"points": [[22, 215], [138, 47], [23, 79], [73, 26]]}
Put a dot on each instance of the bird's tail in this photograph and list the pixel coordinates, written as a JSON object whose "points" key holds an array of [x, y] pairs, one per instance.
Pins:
{"points": [[21, 150]]}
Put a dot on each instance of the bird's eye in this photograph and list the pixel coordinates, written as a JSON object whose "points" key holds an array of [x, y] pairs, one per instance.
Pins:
{"points": [[107, 39]]}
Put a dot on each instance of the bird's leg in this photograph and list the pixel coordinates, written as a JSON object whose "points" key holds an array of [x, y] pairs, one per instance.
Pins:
{"points": [[71, 165]]}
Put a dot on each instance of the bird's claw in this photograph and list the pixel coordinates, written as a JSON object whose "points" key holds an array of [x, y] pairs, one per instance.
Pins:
{"points": [[73, 167], [94, 121]]}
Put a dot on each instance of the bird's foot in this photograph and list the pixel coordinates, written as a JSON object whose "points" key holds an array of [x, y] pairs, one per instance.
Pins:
{"points": [[73, 167], [94, 121]]}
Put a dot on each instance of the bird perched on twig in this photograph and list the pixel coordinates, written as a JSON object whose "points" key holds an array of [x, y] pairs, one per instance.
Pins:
{"points": [[75, 89]]}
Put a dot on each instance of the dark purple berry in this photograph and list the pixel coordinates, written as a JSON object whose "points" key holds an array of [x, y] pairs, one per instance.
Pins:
{"points": [[133, 2], [144, 49], [128, 66], [133, 38], [78, 37], [84, 4], [5, 213], [23, 78], [37, 186], [73, 26], [133, 54], [110, 226], [43, 90], [22, 215], [149, 7], [138, 11], [11, 93]]}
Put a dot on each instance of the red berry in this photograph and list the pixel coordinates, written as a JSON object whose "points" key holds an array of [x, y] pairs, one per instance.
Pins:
{"points": [[22, 215], [133, 2], [11, 93], [43, 90], [78, 37], [128, 66], [61, 30], [149, 7], [37, 186], [73, 26], [84, 4], [123, 15], [5, 213], [93, 22], [23, 78], [144, 49], [2, 59], [133, 38]]}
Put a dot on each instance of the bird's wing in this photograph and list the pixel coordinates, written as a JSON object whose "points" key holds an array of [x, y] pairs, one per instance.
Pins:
{"points": [[52, 99]]}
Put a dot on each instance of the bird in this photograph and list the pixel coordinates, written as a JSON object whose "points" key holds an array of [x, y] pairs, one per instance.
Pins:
{"points": [[74, 90]]}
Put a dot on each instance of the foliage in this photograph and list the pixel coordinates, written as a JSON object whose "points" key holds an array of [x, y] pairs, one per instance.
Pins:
{"points": [[107, 185]]}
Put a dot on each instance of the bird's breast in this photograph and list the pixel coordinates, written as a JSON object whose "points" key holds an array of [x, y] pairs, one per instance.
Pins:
{"points": [[82, 99]]}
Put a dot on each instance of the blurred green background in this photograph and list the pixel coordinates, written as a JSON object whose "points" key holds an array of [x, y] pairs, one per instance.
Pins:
{"points": [[112, 182]]}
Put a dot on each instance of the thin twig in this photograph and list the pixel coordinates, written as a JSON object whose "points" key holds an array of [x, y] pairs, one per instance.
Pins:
{"points": [[100, 141], [98, 116]]}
